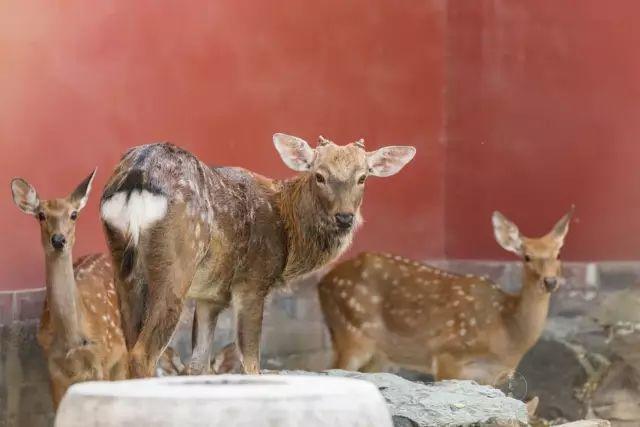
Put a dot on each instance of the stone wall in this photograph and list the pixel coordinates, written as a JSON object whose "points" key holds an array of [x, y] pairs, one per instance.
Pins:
{"points": [[586, 364]]}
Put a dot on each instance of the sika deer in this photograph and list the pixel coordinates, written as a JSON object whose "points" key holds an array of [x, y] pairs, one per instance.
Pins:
{"points": [[383, 308], [80, 324], [178, 228]]}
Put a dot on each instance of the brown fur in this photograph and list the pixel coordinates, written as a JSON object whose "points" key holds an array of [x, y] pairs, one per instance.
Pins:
{"points": [[80, 325], [386, 310], [227, 234]]}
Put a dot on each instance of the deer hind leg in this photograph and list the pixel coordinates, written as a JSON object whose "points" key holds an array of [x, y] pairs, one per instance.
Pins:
{"points": [[248, 302], [58, 382], [131, 290], [164, 308], [132, 296], [204, 326], [169, 259], [120, 371], [377, 363], [353, 353]]}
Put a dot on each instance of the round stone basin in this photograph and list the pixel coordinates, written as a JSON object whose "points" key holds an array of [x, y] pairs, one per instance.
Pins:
{"points": [[225, 400]]}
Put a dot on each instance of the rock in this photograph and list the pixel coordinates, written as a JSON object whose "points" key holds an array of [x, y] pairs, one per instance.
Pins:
{"points": [[225, 400], [619, 307], [618, 397], [553, 372], [587, 423], [451, 403]]}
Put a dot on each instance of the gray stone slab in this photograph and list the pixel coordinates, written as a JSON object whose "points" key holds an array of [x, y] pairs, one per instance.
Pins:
{"points": [[28, 304], [445, 403], [6, 308]]}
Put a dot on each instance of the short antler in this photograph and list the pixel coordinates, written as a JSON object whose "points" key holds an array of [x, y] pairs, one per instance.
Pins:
{"points": [[322, 141]]}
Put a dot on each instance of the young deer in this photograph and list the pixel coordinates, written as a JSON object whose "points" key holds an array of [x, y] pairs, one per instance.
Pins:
{"points": [[80, 324], [383, 308], [177, 228]]}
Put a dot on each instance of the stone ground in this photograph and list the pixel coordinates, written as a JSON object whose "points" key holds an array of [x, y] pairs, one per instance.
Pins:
{"points": [[586, 365]]}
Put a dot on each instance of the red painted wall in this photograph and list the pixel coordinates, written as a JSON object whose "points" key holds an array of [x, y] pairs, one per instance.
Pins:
{"points": [[82, 81], [537, 103], [543, 110]]}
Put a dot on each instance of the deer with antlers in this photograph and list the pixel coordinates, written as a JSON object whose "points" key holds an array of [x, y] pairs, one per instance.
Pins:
{"points": [[384, 309], [177, 228], [80, 325]]}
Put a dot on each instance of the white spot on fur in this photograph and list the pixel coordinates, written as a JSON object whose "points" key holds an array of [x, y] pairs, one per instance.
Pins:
{"points": [[136, 214]]}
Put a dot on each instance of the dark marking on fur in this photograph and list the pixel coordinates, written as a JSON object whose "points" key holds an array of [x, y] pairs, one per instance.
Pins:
{"points": [[128, 261], [134, 180]]}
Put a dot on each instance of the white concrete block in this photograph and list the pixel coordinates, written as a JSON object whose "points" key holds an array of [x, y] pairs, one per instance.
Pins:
{"points": [[225, 400]]}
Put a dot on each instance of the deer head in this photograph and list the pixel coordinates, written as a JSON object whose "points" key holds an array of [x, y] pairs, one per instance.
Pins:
{"points": [[57, 217], [338, 173], [540, 255]]}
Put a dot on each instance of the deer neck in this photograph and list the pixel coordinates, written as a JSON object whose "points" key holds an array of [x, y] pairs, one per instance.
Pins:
{"points": [[531, 311], [311, 239], [62, 297]]}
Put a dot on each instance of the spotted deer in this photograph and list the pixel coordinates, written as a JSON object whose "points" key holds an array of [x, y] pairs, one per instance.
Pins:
{"points": [[386, 310], [80, 325], [177, 228]]}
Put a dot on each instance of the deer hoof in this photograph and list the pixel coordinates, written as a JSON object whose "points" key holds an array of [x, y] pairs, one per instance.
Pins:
{"points": [[196, 368]]}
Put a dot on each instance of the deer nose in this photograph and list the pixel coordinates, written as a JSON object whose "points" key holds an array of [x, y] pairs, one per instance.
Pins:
{"points": [[551, 283], [58, 241], [344, 220]]}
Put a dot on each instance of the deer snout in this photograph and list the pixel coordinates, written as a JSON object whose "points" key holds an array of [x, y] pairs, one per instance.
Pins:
{"points": [[550, 283], [58, 241], [344, 220]]}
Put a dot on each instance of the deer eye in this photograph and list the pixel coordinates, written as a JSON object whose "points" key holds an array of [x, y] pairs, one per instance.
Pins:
{"points": [[41, 216], [527, 258], [320, 179], [74, 215], [362, 179]]}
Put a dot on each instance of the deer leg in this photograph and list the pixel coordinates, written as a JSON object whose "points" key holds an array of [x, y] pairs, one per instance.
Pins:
{"points": [[120, 370], [131, 295], [131, 298], [248, 301], [58, 382], [352, 359], [157, 330], [169, 278], [206, 316], [377, 363], [352, 353]]}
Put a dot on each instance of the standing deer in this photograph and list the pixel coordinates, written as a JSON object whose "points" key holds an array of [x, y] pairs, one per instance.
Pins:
{"points": [[177, 228], [383, 308], [80, 325]]}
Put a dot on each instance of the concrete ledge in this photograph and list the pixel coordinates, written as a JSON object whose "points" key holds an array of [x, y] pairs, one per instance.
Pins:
{"points": [[225, 400]]}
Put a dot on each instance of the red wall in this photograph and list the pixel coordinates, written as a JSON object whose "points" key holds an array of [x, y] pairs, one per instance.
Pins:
{"points": [[522, 106], [543, 110], [82, 81]]}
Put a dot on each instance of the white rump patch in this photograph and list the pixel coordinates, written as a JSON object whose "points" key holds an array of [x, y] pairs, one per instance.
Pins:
{"points": [[133, 216]]}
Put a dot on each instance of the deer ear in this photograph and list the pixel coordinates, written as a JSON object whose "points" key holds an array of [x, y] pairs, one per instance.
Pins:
{"points": [[506, 233], [561, 228], [25, 196], [295, 152], [389, 161], [80, 195]]}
